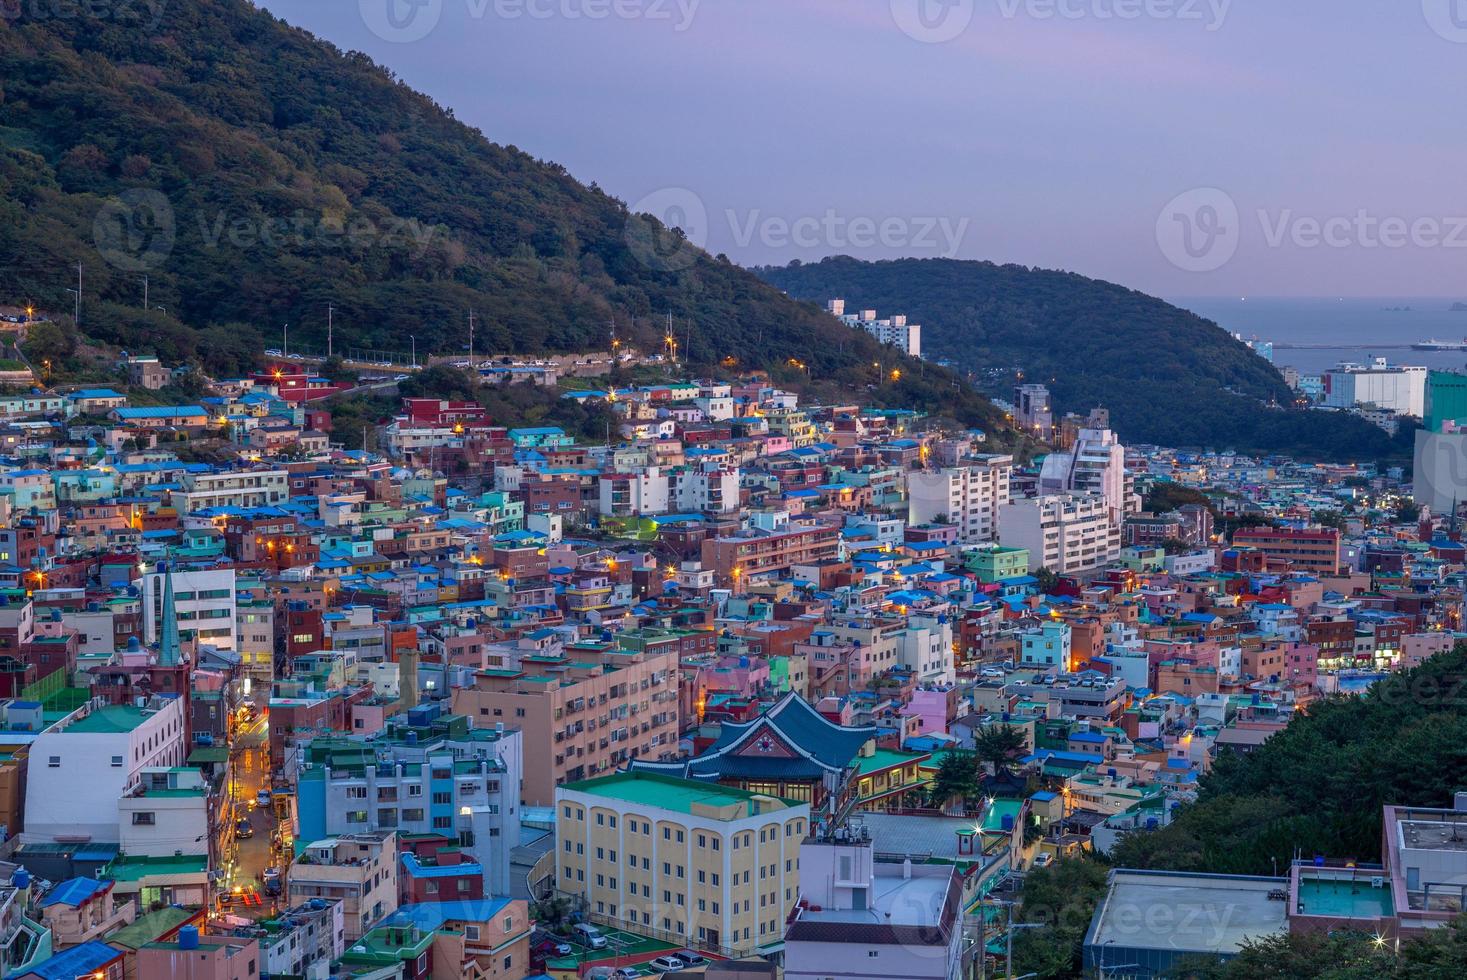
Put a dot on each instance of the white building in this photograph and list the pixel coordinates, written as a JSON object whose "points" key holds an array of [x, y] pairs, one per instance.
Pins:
{"points": [[716, 401], [873, 919], [84, 765], [906, 337], [970, 496], [1065, 533], [926, 648], [1395, 388], [248, 488], [206, 604], [1095, 464], [167, 812], [705, 488]]}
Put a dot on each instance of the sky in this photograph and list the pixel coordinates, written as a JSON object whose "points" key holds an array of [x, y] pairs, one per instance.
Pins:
{"points": [[1180, 147]]}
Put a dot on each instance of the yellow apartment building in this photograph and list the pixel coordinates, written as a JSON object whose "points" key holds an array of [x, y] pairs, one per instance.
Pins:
{"points": [[688, 860]]}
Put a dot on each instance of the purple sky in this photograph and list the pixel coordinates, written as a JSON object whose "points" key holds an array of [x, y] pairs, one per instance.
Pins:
{"points": [[1046, 132]]}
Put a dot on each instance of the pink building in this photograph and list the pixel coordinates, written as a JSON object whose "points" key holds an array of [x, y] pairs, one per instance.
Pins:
{"points": [[195, 957], [933, 707]]}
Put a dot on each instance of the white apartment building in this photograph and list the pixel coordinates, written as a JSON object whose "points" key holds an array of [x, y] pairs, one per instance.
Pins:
{"points": [[1064, 532], [1095, 464], [1395, 388], [970, 496], [357, 870], [906, 337], [926, 648], [82, 766], [705, 488], [205, 602], [250, 488]]}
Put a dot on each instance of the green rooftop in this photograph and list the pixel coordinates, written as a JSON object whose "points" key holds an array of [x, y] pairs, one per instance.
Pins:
{"points": [[113, 719], [668, 792], [1343, 898], [886, 759], [141, 866]]}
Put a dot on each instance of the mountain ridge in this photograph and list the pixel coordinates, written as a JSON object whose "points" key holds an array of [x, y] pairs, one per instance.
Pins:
{"points": [[257, 175], [1168, 376]]}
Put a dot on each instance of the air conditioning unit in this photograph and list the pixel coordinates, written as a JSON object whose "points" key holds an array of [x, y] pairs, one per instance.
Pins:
{"points": [[1377, 881]]}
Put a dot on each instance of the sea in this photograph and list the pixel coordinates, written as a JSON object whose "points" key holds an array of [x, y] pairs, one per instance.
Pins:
{"points": [[1314, 335]]}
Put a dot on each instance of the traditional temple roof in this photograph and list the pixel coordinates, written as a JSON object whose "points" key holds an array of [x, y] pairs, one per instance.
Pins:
{"points": [[800, 742]]}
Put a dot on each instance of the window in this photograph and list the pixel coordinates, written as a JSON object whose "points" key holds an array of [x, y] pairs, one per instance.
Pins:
{"points": [[142, 818], [54, 762], [117, 762]]}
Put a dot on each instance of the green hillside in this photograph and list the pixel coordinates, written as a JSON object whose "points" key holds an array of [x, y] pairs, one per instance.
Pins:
{"points": [[1167, 375], [256, 174]]}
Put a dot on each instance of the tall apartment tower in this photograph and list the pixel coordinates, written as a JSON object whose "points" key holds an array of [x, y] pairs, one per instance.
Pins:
{"points": [[1033, 411], [968, 495]]}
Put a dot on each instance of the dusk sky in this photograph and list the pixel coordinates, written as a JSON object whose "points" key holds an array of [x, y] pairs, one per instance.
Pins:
{"points": [[1046, 132]]}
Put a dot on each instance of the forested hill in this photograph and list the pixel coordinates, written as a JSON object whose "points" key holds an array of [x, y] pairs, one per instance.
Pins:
{"points": [[1167, 375], [256, 174]]}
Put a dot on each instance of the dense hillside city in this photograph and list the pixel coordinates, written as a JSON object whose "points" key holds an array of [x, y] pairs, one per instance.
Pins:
{"points": [[327, 672], [419, 563]]}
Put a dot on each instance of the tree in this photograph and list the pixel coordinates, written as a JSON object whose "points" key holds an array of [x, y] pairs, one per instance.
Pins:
{"points": [[957, 778], [998, 744], [1062, 897], [1331, 518], [1045, 580]]}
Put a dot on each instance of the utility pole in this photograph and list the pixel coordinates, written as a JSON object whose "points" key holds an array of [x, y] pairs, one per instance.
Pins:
{"points": [[285, 341], [471, 338], [330, 317], [415, 349], [145, 293]]}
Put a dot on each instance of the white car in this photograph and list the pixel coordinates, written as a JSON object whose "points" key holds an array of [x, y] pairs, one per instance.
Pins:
{"points": [[263, 797], [588, 935]]}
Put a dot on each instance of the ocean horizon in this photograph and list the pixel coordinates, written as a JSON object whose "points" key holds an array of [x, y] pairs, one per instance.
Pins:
{"points": [[1332, 330]]}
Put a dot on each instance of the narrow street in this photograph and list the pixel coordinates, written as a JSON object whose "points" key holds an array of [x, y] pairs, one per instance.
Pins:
{"points": [[250, 771]]}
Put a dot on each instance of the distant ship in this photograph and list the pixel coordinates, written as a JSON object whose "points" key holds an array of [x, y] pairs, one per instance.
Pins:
{"points": [[1440, 345]]}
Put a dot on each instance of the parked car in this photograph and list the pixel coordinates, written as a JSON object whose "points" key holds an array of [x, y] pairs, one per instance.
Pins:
{"points": [[665, 964], [588, 935], [242, 828], [263, 797], [691, 957]]}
